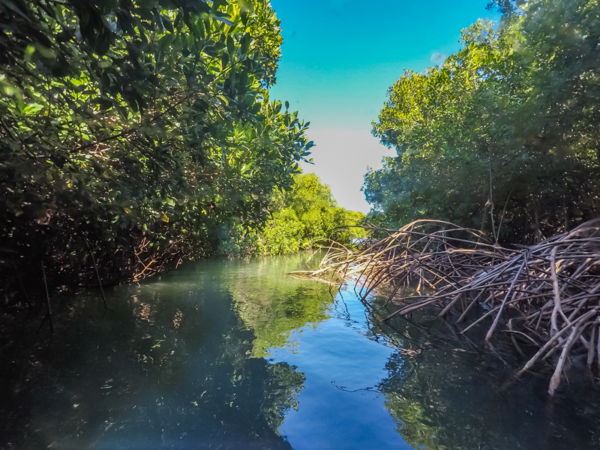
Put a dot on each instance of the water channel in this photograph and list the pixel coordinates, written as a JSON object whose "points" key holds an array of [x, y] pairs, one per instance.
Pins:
{"points": [[238, 355]]}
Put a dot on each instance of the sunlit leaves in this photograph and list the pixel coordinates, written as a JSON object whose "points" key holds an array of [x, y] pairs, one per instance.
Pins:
{"points": [[140, 120], [510, 119], [304, 216]]}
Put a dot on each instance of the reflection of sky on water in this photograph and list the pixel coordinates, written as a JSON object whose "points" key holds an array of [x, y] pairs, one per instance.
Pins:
{"points": [[224, 354], [340, 407]]}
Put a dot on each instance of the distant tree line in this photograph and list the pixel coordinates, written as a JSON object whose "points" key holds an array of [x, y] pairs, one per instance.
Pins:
{"points": [[306, 216]]}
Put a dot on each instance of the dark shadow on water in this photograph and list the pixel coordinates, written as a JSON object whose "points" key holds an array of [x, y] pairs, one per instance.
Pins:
{"points": [[169, 366], [205, 358]]}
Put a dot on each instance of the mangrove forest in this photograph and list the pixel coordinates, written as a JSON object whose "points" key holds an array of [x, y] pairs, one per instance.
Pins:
{"points": [[175, 269]]}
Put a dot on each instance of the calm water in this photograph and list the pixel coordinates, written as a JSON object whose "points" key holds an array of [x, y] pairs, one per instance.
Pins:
{"points": [[237, 355]]}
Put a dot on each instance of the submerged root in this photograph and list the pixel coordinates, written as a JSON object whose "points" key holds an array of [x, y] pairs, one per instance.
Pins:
{"points": [[552, 288]]}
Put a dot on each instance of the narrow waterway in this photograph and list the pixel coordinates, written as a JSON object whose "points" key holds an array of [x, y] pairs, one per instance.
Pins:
{"points": [[238, 355]]}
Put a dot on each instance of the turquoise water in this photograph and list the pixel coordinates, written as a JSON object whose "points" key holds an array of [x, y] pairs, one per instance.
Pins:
{"points": [[239, 355]]}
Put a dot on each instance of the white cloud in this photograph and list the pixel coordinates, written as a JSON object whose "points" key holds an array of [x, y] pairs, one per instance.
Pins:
{"points": [[438, 58], [341, 158]]}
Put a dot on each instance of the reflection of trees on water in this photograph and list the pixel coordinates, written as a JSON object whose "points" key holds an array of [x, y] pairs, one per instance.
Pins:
{"points": [[168, 367], [445, 395], [273, 305], [178, 364], [284, 386]]}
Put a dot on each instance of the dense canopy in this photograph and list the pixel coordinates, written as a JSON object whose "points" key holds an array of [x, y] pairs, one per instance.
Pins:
{"points": [[503, 135], [136, 130]]}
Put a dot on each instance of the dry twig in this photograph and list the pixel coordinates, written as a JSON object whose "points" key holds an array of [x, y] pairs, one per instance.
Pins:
{"points": [[548, 290]]}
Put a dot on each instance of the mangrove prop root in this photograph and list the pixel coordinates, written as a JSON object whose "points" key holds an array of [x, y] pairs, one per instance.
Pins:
{"points": [[91, 253], [550, 291], [48, 306]]}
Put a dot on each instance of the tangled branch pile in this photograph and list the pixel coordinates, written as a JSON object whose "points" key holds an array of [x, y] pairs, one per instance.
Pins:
{"points": [[545, 294]]}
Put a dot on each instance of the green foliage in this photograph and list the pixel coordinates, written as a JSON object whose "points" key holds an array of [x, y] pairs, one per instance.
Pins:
{"points": [[505, 131], [506, 7], [305, 216], [142, 127], [282, 234], [273, 306]]}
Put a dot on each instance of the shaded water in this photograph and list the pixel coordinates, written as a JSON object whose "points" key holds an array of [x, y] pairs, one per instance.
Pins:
{"points": [[237, 355]]}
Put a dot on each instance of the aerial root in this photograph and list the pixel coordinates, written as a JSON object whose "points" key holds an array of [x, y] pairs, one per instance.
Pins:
{"points": [[551, 289]]}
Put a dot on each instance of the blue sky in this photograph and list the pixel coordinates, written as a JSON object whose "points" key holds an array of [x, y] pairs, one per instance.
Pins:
{"points": [[339, 59]]}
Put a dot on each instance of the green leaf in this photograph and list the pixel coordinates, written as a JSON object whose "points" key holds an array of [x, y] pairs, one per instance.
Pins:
{"points": [[218, 3], [224, 20], [245, 43], [166, 41], [9, 89], [224, 60], [32, 109], [200, 28], [167, 23], [246, 6], [230, 46]]}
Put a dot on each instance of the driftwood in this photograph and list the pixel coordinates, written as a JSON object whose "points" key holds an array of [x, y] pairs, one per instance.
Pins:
{"points": [[546, 294]]}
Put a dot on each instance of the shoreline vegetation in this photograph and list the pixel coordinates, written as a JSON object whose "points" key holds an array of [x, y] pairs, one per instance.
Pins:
{"points": [[502, 136], [544, 297], [135, 136]]}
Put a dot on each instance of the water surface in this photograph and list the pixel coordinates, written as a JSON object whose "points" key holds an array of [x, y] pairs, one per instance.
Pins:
{"points": [[238, 355]]}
